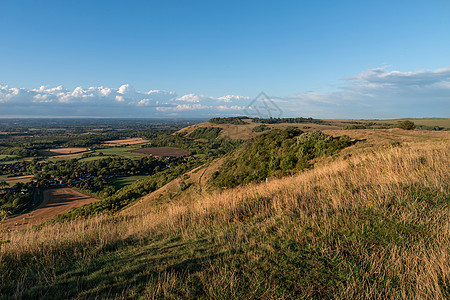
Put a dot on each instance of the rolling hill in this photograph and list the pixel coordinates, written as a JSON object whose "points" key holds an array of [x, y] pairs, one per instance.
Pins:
{"points": [[370, 221]]}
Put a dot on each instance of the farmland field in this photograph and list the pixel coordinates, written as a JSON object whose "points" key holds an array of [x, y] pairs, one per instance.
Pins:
{"points": [[61, 151], [13, 180], [2, 156], [56, 201], [120, 151], [109, 152], [133, 141], [162, 151], [120, 182], [8, 162]]}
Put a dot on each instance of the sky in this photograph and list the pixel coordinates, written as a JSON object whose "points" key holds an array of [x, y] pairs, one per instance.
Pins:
{"points": [[199, 59]]}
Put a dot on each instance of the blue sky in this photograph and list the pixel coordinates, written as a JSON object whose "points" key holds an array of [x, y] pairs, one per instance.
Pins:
{"points": [[325, 59]]}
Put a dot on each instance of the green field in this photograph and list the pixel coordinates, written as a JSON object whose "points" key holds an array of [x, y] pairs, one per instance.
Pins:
{"points": [[4, 156], [120, 151], [115, 151], [441, 122], [120, 182], [8, 162], [11, 157]]}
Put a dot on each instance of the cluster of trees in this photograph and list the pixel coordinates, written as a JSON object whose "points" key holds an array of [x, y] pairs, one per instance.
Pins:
{"points": [[239, 120], [17, 198], [355, 127], [15, 169], [287, 120], [229, 120], [116, 165], [15, 150], [260, 128], [275, 153]]}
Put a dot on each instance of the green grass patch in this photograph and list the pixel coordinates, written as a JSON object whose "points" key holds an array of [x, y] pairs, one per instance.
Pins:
{"points": [[8, 162], [109, 152], [2, 156], [120, 151], [120, 182]]}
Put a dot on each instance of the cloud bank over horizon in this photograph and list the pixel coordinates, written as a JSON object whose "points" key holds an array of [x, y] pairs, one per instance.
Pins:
{"points": [[375, 93]]}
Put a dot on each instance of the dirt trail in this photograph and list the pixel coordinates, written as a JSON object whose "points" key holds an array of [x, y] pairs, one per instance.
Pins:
{"points": [[56, 201]]}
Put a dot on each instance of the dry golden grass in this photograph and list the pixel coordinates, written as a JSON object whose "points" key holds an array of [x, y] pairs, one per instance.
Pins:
{"points": [[131, 141], [246, 131], [327, 199], [67, 150]]}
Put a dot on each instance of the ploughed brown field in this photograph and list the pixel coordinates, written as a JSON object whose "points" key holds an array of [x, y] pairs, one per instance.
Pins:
{"points": [[162, 151], [133, 141], [56, 201]]}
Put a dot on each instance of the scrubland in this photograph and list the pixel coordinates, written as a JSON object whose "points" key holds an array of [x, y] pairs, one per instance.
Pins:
{"points": [[368, 224]]}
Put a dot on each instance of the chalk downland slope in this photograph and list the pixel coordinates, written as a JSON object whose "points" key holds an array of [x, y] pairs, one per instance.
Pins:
{"points": [[370, 223]]}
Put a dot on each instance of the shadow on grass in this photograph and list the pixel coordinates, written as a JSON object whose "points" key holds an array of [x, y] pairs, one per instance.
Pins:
{"points": [[132, 267]]}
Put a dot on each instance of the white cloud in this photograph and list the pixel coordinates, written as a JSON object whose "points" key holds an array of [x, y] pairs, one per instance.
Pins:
{"points": [[375, 93], [122, 101], [120, 98], [127, 90], [231, 98], [190, 98], [378, 93]]}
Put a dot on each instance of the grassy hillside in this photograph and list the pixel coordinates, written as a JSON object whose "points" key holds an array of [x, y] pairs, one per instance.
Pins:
{"points": [[249, 128], [370, 224]]}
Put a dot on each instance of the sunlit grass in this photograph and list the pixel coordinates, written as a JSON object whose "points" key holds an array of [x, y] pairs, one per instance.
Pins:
{"points": [[370, 226]]}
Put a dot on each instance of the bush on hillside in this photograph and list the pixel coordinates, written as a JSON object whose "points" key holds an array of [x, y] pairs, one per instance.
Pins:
{"points": [[276, 153], [355, 127], [229, 120], [260, 128], [406, 125]]}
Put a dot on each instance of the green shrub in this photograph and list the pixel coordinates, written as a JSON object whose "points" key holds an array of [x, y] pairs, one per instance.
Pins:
{"points": [[229, 120], [406, 125], [260, 128], [355, 127], [276, 153]]}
